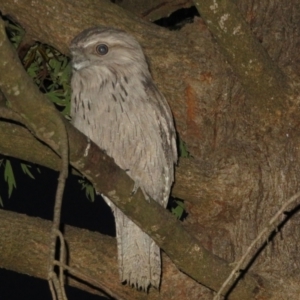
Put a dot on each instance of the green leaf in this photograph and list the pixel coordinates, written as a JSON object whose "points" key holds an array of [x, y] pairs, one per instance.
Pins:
{"points": [[54, 97], [9, 177], [66, 111], [15, 33], [180, 203], [90, 192], [66, 73], [55, 65], [89, 189], [183, 152], [32, 70], [25, 169], [178, 210]]}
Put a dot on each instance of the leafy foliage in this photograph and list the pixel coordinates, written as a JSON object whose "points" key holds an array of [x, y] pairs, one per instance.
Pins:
{"points": [[89, 189], [15, 33], [9, 177], [177, 208], [183, 151], [51, 72], [48, 68], [26, 170]]}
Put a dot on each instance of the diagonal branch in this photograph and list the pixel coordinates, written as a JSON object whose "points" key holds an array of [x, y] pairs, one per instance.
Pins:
{"points": [[262, 79]]}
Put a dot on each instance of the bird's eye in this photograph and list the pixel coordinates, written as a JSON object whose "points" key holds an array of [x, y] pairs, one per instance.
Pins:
{"points": [[101, 49]]}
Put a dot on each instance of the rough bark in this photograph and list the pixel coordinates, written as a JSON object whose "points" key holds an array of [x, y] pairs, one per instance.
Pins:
{"points": [[25, 245], [262, 79], [245, 148]]}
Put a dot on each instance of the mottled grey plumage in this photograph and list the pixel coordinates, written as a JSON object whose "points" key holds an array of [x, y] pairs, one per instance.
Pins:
{"points": [[116, 104]]}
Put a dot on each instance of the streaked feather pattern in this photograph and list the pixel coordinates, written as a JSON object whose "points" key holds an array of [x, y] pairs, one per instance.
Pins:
{"points": [[116, 104]]}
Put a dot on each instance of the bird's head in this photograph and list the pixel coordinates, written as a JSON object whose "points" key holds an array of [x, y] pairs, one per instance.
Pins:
{"points": [[106, 47]]}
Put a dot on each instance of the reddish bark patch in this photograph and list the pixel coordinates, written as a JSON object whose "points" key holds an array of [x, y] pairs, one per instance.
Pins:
{"points": [[192, 113], [206, 77]]}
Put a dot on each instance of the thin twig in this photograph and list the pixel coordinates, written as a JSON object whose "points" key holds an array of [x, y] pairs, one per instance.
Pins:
{"points": [[62, 259], [56, 287], [51, 287], [64, 147], [267, 229]]}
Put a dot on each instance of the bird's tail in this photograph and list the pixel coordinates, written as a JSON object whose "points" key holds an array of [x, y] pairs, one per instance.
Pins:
{"points": [[138, 255]]}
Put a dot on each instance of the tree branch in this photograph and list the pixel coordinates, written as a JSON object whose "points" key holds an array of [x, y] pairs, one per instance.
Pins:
{"points": [[25, 249], [259, 75], [18, 142]]}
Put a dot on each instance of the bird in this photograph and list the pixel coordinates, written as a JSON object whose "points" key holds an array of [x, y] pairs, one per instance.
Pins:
{"points": [[116, 104]]}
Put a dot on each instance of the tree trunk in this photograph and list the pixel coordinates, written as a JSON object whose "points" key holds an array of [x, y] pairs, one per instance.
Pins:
{"points": [[235, 102]]}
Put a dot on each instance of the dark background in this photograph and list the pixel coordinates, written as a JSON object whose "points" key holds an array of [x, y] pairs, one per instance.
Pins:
{"points": [[35, 197]]}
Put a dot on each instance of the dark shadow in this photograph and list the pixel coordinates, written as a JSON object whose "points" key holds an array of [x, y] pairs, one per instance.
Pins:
{"points": [[178, 18]]}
